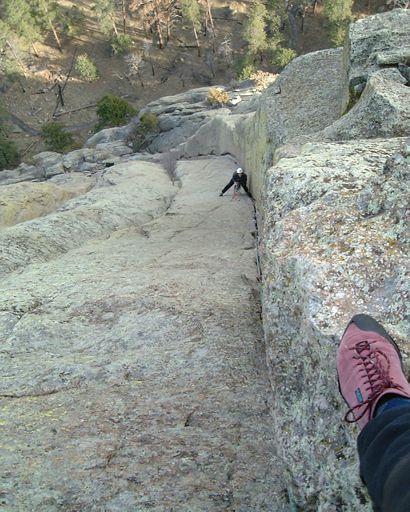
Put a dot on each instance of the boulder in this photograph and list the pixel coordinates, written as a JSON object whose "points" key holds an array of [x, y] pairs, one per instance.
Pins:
{"points": [[188, 98], [372, 42], [383, 110], [182, 127], [46, 158], [49, 163], [111, 135], [23, 172], [26, 201], [117, 148]]}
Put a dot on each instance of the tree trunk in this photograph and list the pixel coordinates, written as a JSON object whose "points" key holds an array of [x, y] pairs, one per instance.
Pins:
{"points": [[168, 26], [293, 11], [302, 23], [114, 26], [55, 35], [197, 41], [124, 17], [50, 22], [158, 29], [33, 45], [13, 51], [209, 11], [60, 94], [314, 6], [19, 62]]}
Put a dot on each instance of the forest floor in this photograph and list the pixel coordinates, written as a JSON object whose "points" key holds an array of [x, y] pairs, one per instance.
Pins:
{"points": [[177, 67]]}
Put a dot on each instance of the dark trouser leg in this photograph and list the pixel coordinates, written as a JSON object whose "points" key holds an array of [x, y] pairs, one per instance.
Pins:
{"points": [[228, 186], [247, 191], [384, 451]]}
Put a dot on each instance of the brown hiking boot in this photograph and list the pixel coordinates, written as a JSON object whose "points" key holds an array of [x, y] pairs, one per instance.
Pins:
{"points": [[369, 366]]}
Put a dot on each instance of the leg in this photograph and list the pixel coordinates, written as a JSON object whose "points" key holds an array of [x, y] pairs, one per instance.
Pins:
{"points": [[384, 452], [247, 191], [227, 187], [372, 382]]}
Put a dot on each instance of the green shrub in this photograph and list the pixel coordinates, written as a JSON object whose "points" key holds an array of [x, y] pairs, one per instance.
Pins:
{"points": [[148, 126], [245, 67], [338, 33], [56, 138], [73, 21], [148, 123], [11, 70], [121, 44], [8, 153], [86, 68], [247, 71], [113, 111], [282, 56]]}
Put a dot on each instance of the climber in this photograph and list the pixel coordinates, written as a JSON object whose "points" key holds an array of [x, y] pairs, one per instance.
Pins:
{"points": [[372, 382], [239, 179]]}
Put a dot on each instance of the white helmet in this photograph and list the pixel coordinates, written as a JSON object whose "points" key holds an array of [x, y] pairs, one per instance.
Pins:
{"points": [[239, 170]]}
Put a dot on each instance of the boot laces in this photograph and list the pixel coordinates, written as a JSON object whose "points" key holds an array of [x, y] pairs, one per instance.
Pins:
{"points": [[375, 372]]}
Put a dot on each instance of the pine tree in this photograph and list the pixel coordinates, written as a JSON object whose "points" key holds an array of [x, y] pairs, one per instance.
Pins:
{"points": [[22, 17], [339, 14], [47, 13], [191, 11], [255, 30], [105, 12], [8, 150], [274, 23]]}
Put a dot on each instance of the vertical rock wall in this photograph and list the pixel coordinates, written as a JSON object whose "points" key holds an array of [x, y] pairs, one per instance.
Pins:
{"points": [[335, 243]]}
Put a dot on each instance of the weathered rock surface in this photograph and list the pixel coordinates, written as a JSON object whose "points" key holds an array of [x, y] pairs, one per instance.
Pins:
{"points": [[383, 110], [127, 194], [335, 243], [129, 315], [373, 42], [133, 369], [26, 201]]}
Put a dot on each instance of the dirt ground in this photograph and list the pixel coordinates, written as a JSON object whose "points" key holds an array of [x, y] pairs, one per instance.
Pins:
{"points": [[177, 68]]}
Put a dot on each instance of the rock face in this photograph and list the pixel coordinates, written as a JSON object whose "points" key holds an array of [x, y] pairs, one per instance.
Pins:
{"points": [[134, 374], [335, 245], [375, 42], [133, 369], [26, 201]]}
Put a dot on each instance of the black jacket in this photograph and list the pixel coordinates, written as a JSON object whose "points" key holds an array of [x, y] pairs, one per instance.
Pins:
{"points": [[238, 178]]}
